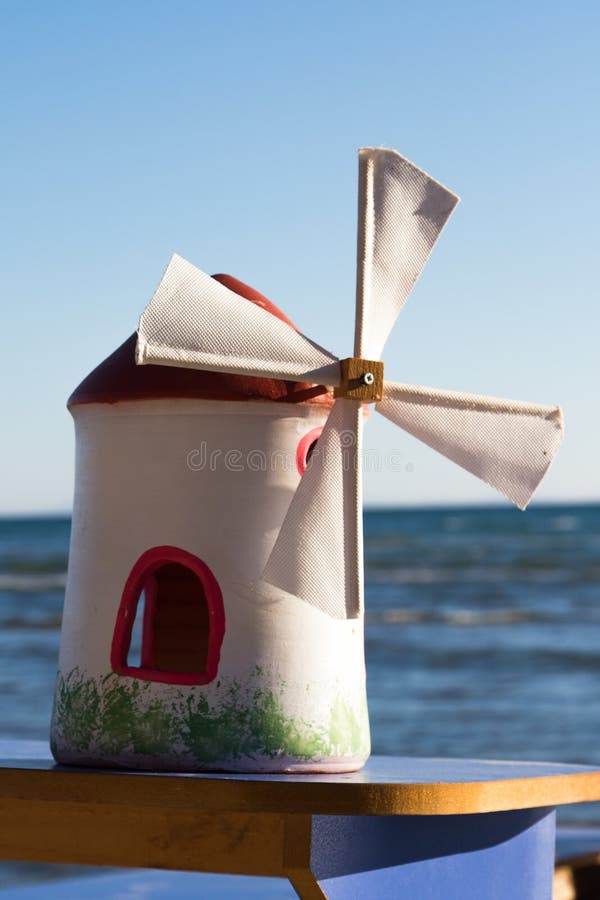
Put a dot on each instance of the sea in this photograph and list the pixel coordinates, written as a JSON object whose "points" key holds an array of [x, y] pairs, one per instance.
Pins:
{"points": [[482, 635]]}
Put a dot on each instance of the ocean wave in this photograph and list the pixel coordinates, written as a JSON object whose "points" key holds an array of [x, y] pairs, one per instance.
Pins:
{"points": [[18, 623], [33, 584], [529, 572], [457, 617], [455, 523], [564, 523], [28, 563], [407, 575]]}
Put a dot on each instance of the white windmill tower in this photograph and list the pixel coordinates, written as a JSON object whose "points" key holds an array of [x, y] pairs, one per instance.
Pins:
{"points": [[290, 693]]}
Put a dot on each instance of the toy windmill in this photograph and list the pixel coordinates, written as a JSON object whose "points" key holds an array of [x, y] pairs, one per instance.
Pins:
{"points": [[195, 322]]}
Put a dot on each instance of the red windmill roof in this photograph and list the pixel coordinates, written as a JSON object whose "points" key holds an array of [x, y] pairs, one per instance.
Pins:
{"points": [[119, 378]]}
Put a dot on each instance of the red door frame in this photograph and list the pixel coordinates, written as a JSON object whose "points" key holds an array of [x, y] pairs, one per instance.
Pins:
{"points": [[140, 574]]}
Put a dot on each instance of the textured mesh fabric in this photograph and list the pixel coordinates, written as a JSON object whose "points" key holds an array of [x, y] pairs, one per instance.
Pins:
{"points": [[318, 553], [508, 444], [401, 213], [194, 321]]}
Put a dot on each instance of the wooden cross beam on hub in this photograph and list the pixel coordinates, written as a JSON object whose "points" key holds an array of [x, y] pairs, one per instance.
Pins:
{"points": [[361, 379]]}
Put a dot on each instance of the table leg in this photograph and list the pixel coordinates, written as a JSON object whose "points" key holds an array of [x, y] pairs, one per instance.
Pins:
{"points": [[489, 856]]}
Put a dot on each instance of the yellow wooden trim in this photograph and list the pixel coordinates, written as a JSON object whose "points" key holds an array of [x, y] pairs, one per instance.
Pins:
{"points": [[296, 858], [306, 885], [352, 797], [577, 878], [100, 834]]}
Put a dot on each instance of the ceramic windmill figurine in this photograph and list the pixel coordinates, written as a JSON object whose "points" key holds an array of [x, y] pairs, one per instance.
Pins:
{"points": [[281, 684]]}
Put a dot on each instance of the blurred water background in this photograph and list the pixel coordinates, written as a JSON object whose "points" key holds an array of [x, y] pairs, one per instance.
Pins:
{"points": [[482, 634]]}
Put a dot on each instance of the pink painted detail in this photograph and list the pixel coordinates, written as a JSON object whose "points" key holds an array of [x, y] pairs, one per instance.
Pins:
{"points": [[303, 449], [141, 578]]}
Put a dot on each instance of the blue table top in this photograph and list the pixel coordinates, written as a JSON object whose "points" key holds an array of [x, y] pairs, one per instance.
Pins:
{"points": [[378, 769]]}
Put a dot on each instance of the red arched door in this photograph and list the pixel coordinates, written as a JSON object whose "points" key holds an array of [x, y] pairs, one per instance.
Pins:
{"points": [[183, 620]]}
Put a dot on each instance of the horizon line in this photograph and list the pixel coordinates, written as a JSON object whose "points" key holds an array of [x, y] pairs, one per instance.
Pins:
{"points": [[368, 507]]}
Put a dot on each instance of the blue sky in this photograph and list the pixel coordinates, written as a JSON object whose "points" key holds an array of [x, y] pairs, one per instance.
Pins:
{"points": [[228, 133]]}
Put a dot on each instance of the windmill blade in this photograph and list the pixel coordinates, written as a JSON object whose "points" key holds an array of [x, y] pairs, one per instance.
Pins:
{"points": [[318, 554], [401, 214], [508, 444], [195, 322]]}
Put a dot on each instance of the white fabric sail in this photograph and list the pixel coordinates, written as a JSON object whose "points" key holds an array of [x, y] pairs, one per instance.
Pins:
{"points": [[318, 553], [401, 213], [195, 322], [508, 444]]}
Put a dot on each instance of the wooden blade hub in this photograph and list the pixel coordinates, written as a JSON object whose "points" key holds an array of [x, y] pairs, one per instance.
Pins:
{"points": [[360, 379]]}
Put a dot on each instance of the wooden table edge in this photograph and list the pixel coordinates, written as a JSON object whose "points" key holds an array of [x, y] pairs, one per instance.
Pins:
{"points": [[208, 795]]}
